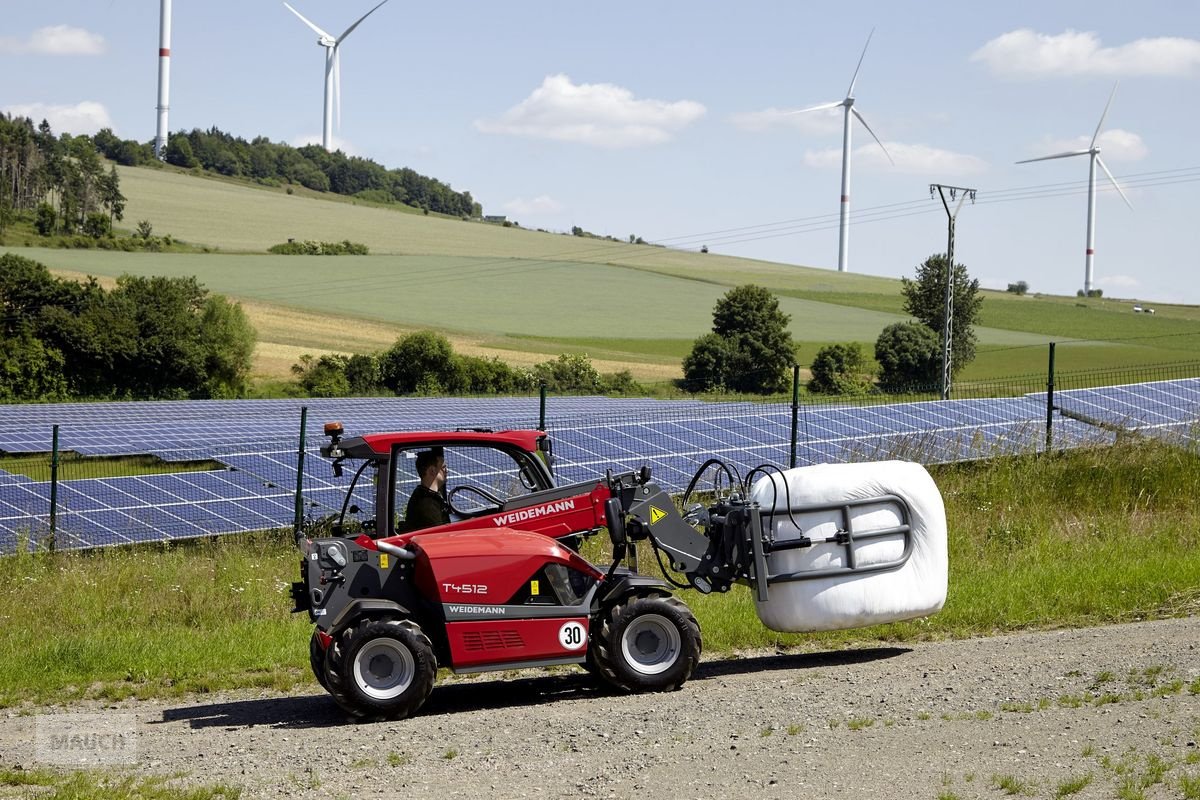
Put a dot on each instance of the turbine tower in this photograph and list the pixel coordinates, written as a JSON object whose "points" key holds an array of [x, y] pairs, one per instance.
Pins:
{"points": [[164, 78], [1094, 152], [848, 109], [333, 74]]}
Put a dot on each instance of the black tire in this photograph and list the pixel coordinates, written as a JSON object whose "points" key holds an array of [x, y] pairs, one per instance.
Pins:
{"points": [[381, 669], [646, 644], [316, 660]]}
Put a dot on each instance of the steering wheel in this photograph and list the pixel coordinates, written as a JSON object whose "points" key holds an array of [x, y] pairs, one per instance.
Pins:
{"points": [[491, 498]]}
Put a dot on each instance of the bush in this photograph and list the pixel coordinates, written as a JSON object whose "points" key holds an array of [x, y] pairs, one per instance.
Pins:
{"points": [[840, 369], [569, 372], [909, 355], [322, 377], [311, 248], [45, 220], [97, 225]]}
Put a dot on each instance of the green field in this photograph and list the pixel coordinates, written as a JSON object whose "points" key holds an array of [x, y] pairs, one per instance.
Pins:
{"points": [[520, 292]]}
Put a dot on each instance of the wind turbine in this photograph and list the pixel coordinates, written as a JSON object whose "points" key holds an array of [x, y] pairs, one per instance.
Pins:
{"points": [[1095, 159], [848, 109], [333, 73], [164, 78]]}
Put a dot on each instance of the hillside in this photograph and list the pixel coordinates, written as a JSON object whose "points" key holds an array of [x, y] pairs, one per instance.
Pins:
{"points": [[528, 295]]}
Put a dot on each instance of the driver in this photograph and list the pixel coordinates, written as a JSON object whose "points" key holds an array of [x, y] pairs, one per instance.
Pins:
{"points": [[427, 504]]}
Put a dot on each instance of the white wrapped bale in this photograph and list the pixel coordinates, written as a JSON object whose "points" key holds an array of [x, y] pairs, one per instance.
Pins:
{"points": [[853, 599]]}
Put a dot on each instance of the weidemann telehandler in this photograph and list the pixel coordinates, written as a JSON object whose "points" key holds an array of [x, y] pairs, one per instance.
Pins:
{"points": [[502, 586]]}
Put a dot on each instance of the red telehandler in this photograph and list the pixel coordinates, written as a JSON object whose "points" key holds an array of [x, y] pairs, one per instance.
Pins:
{"points": [[502, 586]]}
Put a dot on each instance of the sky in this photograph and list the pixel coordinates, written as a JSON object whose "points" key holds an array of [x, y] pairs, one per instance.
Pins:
{"points": [[669, 120]]}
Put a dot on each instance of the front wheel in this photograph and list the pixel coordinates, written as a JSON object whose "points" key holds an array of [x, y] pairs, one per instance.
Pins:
{"points": [[383, 669], [316, 660], [647, 644]]}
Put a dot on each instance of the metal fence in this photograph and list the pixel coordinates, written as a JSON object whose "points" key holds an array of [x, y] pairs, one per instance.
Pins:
{"points": [[221, 480]]}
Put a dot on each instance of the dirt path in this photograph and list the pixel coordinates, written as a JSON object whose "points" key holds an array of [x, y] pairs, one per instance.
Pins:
{"points": [[976, 718]]}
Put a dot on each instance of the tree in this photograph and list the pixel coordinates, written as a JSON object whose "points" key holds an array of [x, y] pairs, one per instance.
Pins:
{"points": [[109, 188], [909, 356], [362, 374], [227, 339], [417, 362], [840, 369], [709, 364], [1020, 288], [755, 353], [925, 299], [179, 152]]}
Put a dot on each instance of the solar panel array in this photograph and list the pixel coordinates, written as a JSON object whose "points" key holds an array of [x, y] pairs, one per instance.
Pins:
{"points": [[255, 445]]}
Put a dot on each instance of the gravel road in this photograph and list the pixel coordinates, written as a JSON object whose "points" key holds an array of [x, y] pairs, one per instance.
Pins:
{"points": [[1023, 713]]}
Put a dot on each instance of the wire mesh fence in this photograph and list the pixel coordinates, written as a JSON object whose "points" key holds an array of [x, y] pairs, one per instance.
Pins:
{"points": [[130, 473]]}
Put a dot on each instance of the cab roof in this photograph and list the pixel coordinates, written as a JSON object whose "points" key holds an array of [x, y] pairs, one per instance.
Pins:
{"points": [[382, 443]]}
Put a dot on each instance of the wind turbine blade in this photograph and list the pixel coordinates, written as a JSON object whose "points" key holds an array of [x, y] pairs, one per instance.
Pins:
{"points": [[854, 80], [873, 136], [1056, 155], [1116, 185], [318, 31], [1102, 116], [347, 32], [821, 107]]}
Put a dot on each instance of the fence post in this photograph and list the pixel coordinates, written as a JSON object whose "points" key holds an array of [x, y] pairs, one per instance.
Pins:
{"points": [[542, 407], [795, 408], [53, 487], [299, 520], [1050, 400]]}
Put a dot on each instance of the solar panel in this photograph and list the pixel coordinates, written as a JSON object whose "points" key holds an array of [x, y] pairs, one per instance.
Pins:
{"points": [[257, 441]]}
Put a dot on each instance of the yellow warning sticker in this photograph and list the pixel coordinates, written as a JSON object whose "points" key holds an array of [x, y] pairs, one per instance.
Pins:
{"points": [[533, 587], [656, 514], [383, 561]]}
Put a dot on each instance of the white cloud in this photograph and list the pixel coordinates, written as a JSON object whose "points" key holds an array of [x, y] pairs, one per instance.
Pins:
{"points": [[597, 114], [542, 204], [56, 40], [1028, 54], [909, 158], [1115, 145], [816, 123], [87, 117]]}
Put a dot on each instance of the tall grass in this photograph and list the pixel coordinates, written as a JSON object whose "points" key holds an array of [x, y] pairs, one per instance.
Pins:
{"points": [[1079, 538]]}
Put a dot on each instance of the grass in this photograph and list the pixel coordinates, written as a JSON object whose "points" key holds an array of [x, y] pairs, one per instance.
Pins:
{"points": [[152, 621], [1011, 785], [1084, 538], [1072, 786], [110, 785]]}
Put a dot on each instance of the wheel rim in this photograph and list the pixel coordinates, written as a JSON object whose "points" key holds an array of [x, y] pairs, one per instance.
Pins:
{"points": [[384, 669], [651, 644]]}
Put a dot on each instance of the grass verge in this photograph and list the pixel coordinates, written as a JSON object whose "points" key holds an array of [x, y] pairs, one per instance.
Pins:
{"points": [[1082, 538]]}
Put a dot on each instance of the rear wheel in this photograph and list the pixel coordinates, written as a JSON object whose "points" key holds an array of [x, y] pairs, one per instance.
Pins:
{"points": [[647, 644], [381, 669]]}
